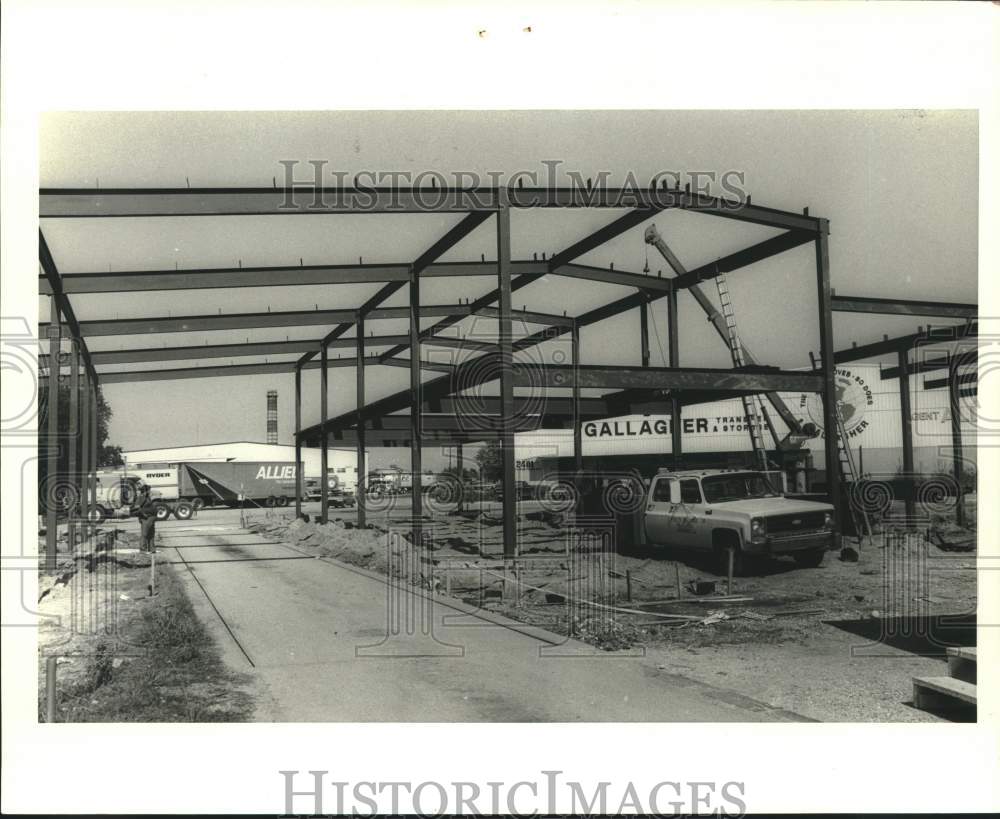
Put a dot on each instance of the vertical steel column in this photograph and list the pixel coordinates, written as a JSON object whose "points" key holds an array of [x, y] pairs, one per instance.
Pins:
{"points": [[85, 463], [508, 486], [578, 482], [360, 490], [644, 332], [827, 367], [74, 486], [298, 441], [52, 437], [95, 440], [460, 466], [575, 400], [324, 481], [906, 422], [674, 360], [416, 414], [956, 436]]}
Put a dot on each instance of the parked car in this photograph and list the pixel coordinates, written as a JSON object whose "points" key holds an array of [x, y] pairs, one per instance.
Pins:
{"points": [[337, 498]]}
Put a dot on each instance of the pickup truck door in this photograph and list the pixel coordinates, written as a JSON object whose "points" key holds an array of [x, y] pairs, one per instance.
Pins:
{"points": [[689, 518], [658, 512]]}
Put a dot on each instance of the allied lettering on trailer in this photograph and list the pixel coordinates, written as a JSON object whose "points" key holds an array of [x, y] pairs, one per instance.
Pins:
{"points": [[275, 472]]}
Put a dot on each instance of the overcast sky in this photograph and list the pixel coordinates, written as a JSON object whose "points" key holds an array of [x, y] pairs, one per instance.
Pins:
{"points": [[899, 189]]}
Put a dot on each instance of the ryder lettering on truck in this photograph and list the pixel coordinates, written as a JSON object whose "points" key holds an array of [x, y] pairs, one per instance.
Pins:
{"points": [[275, 472]]}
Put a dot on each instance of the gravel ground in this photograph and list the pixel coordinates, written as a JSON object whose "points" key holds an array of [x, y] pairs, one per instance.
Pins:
{"points": [[836, 643]]}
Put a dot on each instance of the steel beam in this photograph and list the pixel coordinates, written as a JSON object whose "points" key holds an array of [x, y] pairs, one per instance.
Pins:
{"points": [[95, 441], [607, 276], [956, 438], [468, 373], [133, 281], [599, 237], [506, 361], [575, 399], [926, 365], [963, 378], [828, 373], [676, 446], [559, 260], [310, 200], [644, 334], [906, 425], [362, 466], [727, 264], [460, 465], [51, 275], [402, 437], [903, 307], [743, 258], [461, 422], [243, 321], [52, 437], [491, 405], [416, 409], [324, 478], [261, 368], [528, 316], [428, 257], [476, 371], [438, 389], [73, 484], [252, 348], [933, 335], [86, 465], [279, 276], [407, 363], [750, 380], [462, 426], [298, 442], [456, 343]]}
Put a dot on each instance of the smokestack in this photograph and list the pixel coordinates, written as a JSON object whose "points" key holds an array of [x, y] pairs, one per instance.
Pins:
{"points": [[272, 416]]}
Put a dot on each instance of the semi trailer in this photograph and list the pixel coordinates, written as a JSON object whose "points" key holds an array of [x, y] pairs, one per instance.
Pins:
{"points": [[234, 483], [179, 489]]}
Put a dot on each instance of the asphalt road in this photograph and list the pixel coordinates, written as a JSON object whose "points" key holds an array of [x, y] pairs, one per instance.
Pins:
{"points": [[325, 643]]}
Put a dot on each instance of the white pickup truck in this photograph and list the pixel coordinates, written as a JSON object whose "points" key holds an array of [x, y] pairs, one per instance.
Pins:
{"points": [[715, 510]]}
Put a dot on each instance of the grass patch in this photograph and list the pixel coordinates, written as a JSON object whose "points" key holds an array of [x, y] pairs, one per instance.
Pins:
{"points": [[164, 668]]}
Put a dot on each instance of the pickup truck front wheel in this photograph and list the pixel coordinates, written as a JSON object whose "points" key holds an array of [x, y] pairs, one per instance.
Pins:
{"points": [[722, 547], [811, 559]]}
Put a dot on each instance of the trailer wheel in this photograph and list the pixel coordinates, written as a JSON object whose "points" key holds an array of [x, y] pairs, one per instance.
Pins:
{"points": [[198, 504], [162, 511], [183, 510], [270, 502], [281, 500]]}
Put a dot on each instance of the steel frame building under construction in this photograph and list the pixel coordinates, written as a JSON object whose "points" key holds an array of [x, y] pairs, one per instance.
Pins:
{"points": [[437, 411]]}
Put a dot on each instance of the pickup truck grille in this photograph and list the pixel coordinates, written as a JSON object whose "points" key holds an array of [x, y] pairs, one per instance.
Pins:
{"points": [[789, 524]]}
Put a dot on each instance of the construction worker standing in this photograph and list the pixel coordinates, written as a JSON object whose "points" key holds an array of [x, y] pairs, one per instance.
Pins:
{"points": [[147, 522]]}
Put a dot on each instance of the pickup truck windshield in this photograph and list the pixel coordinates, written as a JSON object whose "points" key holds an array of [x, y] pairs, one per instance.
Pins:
{"points": [[722, 488]]}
